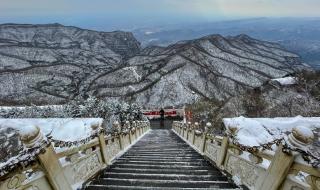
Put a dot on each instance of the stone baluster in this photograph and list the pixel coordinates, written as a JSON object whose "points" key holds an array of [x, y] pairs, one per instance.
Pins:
{"points": [[303, 137], [300, 137], [30, 136], [174, 124], [136, 130], [189, 124], [124, 135], [102, 142], [132, 128], [194, 127], [139, 129], [116, 126], [134, 124], [231, 130], [207, 127], [204, 135], [126, 125]]}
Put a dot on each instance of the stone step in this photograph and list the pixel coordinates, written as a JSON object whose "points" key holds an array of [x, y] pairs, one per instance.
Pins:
{"points": [[162, 159], [163, 183], [168, 143], [116, 187], [154, 166], [161, 150], [161, 154], [165, 176], [212, 171], [146, 147], [179, 163], [170, 149]]}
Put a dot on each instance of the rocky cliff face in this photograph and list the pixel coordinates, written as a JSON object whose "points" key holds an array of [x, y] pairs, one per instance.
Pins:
{"points": [[53, 63]]}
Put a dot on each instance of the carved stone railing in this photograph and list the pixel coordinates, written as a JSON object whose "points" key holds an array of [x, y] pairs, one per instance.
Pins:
{"points": [[282, 167], [66, 167]]}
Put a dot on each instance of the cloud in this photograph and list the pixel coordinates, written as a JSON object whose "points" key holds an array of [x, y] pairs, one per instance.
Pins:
{"points": [[293, 8], [157, 9]]}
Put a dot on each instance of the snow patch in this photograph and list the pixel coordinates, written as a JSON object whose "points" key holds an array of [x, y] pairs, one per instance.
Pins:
{"points": [[257, 131], [286, 80], [64, 129]]}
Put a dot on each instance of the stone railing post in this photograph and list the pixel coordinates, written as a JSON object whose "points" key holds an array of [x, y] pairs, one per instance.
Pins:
{"points": [[49, 161], [139, 130], [194, 127], [136, 130], [225, 145], [174, 125], [223, 151], [130, 132], [206, 129], [116, 125], [121, 141], [102, 142], [128, 129], [144, 129], [281, 163]]}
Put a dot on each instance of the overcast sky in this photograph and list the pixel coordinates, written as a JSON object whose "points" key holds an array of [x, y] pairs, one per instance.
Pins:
{"points": [[138, 13]]}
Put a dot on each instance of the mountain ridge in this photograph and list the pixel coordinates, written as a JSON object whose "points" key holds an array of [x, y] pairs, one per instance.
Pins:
{"points": [[57, 64]]}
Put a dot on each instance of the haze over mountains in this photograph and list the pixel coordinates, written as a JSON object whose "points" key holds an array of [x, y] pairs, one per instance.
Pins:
{"points": [[51, 64], [299, 35]]}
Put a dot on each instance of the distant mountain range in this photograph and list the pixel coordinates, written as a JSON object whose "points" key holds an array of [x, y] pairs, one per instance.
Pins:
{"points": [[51, 64], [299, 35]]}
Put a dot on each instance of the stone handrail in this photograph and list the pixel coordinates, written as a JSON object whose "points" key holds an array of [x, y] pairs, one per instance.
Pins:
{"points": [[66, 168], [260, 169]]}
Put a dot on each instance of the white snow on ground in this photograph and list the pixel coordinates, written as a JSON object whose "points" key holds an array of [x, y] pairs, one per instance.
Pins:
{"points": [[257, 131], [286, 80], [23, 107], [134, 73], [64, 129]]}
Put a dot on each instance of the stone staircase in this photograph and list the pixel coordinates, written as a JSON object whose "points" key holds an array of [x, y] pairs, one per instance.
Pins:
{"points": [[161, 160]]}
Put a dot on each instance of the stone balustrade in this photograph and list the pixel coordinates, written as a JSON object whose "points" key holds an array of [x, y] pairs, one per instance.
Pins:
{"points": [[68, 168], [280, 168]]}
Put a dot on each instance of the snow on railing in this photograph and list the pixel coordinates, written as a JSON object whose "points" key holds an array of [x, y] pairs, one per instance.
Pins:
{"points": [[279, 164], [47, 163]]}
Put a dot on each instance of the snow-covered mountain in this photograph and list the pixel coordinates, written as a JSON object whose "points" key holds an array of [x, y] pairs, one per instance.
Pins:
{"points": [[299, 35], [52, 64]]}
